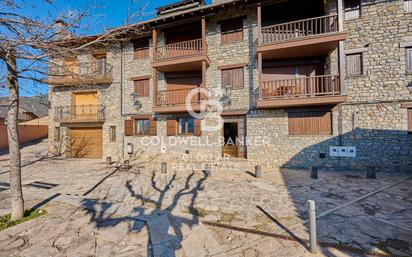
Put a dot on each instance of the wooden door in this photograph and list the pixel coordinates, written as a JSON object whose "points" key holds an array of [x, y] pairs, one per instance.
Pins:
{"points": [[85, 142], [85, 105], [230, 133]]}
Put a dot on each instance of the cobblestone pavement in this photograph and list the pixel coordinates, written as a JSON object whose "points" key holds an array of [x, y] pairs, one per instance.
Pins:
{"points": [[100, 211]]}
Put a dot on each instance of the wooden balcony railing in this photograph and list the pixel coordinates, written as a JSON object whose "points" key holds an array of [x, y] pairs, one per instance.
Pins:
{"points": [[180, 49], [79, 113], [325, 85], [177, 97], [299, 29], [96, 71]]}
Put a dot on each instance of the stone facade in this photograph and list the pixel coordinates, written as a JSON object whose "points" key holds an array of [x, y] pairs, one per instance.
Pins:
{"points": [[372, 119]]}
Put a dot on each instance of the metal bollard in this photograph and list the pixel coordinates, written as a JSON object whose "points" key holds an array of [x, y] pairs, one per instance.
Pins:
{"points": [[108, 160], [312, 226], [258, 171], [163, 167], [314, 172], [371, 173]]}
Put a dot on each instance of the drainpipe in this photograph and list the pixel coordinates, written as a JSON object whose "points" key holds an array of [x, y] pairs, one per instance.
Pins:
{"points": [[341, 60], [122, 96]]}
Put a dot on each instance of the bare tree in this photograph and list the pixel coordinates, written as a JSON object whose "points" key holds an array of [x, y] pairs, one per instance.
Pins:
{"points": [[28, 46]]}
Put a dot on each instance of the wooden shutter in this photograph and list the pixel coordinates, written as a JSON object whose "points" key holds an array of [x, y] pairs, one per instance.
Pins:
{"points": [[408, 58], [407, 5], [128, 127], [142, 87], [410, 120], [310, 123], [354, 64], [198, 127], [231, 30], [171, 127], [233, 78], [152, 127]]}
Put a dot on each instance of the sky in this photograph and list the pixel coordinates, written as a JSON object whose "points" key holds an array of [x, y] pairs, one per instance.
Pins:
{"points": [[103, 14]]}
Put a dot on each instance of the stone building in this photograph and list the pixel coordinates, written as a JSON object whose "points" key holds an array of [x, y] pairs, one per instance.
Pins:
{"points": [[291, 84]]}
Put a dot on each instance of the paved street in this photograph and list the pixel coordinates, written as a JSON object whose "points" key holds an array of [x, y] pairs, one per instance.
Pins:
{"points": [[96, 210]]}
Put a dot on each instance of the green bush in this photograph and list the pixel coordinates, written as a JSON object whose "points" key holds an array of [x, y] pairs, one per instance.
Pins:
{"points": [[5, 221]]}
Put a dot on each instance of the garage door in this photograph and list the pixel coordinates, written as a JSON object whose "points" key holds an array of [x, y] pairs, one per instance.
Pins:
{"points": [[86, 142]]}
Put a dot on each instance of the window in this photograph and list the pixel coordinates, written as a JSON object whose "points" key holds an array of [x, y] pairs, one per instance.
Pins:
{"points": [[310, 123], [408, 59], [354, 64], [232, 78], [141, 87], [186, 125], [101, 65], [352, 9], [56, 135], [141, 127], [407, 5], [231, 30], [410, 120], [141, 48], [112, 134]]}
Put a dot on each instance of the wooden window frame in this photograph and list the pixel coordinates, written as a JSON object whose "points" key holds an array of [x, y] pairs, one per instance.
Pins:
{"points": [[141, 48], [186, 129], [135, 127], [146, 88], [346, 9], [408, 61], [231, 73], [304, 117], [229, 28], [407, 6], [409, 119], [112, 134], [362, 66]]}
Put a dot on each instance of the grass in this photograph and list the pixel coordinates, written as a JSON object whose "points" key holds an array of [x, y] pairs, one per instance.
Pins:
{"points": [[5, 221]]}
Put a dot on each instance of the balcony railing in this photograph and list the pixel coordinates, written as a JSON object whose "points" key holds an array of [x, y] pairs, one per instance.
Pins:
{"points": [[91, 72], [80, 113], [177, 97], [325, 85], [299, 29], [180, 49]]}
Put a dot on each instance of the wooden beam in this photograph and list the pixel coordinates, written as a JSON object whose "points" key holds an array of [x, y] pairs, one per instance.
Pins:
{"points": [[203, 85], [260, 74], [154, 39], [204, 45], [154, 75], [340, 14]]}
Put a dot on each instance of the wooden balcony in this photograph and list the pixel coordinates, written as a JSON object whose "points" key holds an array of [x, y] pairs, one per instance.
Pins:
{"points": [[306, 91], [185, 56], [84, 73], [80, 113], [308, 37], [172, 101]]}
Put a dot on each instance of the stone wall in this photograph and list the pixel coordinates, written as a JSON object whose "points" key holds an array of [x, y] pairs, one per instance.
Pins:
{"points": [[372, 119]]}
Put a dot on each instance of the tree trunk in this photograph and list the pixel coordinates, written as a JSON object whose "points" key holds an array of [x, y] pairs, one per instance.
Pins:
{"points": [[17, 202]]}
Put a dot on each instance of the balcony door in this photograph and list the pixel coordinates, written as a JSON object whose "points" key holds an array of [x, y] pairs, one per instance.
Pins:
{"points": [[180, 84], [289, 79], [85, 105]]}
